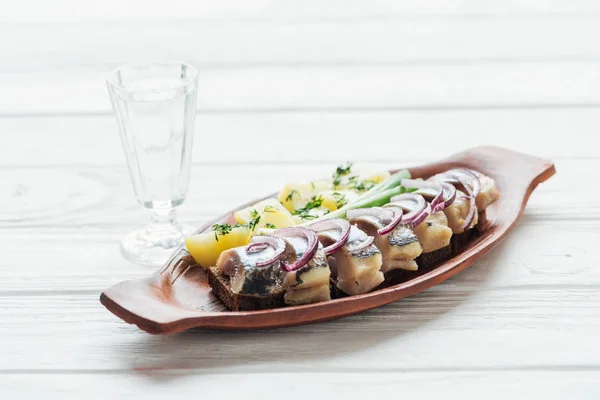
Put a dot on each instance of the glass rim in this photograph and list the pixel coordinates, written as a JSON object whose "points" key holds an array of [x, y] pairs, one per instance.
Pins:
{"points": [[193, 75]]}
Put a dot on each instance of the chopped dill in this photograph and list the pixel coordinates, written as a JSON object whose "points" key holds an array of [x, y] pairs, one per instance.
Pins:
{"points": [[341, 171], [254, 221], [363, 186], [292, 193], [221, 229], [270, 209], [270, 225], [341, 202], [304, 212]]}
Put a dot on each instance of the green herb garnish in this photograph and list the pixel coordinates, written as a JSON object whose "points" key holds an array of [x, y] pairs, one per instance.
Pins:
{"points": [[304, 212], [340, 171], [364, 185], [254, 221], [221, 229], [270, 225], [343, 169], [292, 192]]}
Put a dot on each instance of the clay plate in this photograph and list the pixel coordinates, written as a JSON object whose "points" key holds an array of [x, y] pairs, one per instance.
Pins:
{"points": [[177, 296]]}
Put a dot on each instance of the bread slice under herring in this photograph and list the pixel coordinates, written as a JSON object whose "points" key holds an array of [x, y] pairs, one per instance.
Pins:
{"points": [[219, 283]]}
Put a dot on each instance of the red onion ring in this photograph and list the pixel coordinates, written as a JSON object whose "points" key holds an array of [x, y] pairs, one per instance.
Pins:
{"points": [[330, 224], [476, 188], [470, 182], [423, 216], [266, 241], [465, 177], [398, 217], [366, 243], [311, 246], [380, 213], [256, 247], [472, 209], [413, 203], [449, 192], [415, 184]]}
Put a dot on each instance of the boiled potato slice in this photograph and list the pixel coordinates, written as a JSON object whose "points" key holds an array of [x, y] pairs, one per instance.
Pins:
{"points": [[335, 199], [295, 195], [272, 214], [206, 247]]}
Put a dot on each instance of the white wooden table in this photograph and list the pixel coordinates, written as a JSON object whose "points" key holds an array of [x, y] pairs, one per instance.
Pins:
{"points": [[287, 91]]}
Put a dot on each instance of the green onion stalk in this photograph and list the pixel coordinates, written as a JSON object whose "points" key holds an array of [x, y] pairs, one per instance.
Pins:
{"points": [[377, 196]]}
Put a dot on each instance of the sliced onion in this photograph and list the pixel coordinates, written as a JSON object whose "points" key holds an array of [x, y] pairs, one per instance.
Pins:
{"points": [[471, 184], [331, 224], [476, 185], [415, 204], [465, 177], [263, 242], [471, 215], [436, 186], [311, 245], [423, 216], [398, 217], [472, 209], [364, 244], [382, 214], [449, 196], [256, 247]]}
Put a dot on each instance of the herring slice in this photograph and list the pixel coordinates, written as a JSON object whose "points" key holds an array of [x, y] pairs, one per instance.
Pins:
{"points": [[309, 279], [309, 295], [398, 248], [434, 233], [355, 272], [457, 213]]}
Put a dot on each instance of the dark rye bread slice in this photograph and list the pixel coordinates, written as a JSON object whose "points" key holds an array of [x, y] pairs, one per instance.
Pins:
{"points": [[428, 260], [219, 283], [459, 241], [336, 293]]}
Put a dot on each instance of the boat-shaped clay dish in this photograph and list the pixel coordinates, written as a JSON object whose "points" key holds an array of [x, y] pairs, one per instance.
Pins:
{"points": [[177, 296]]}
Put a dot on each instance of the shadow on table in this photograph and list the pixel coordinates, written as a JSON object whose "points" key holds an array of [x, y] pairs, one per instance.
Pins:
{"points": [[201, 351]]}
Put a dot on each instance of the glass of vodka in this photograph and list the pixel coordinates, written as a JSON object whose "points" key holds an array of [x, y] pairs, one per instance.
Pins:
{"points": [[155, 105]]}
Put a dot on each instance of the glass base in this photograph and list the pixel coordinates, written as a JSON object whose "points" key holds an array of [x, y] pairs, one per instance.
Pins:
{"points": [[154, 244]]}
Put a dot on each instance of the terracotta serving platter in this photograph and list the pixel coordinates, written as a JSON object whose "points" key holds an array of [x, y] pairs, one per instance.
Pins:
{"points": [[177, 296]]}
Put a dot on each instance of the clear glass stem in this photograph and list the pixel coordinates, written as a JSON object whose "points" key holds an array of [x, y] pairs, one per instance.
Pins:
{"points": [[162, 217]]}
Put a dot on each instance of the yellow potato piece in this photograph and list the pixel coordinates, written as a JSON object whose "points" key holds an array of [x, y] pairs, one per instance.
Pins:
{"points": [[295, 195], [271, 213], [206, 247], [334, 198]]}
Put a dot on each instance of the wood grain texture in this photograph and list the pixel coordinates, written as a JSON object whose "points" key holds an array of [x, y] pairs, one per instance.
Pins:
{"points": [[243, 44], [62, 11], [305, 88], [521, 323], [543, 385], [256, 138]]}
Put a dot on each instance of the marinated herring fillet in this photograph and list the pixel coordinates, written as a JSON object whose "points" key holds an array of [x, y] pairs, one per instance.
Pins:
{"points": [[309, 283], [246, 277], [398, 248], [354, 272]]}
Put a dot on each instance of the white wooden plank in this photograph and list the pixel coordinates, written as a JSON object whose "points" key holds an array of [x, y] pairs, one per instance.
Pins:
{"points": [[353, 87], [303, 137], [543, 385], [535, 256], [102, 197], [99, 47], [111, 10], [470, 329]]}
